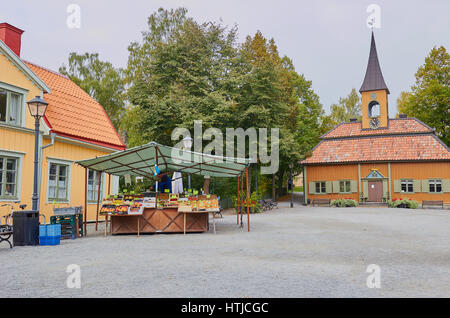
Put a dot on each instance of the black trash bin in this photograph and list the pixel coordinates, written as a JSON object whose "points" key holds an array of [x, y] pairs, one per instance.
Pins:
{"points": [[26, 228]]}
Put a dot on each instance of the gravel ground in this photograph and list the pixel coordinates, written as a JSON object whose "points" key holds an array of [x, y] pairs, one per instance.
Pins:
{"points": [[300, 252]]}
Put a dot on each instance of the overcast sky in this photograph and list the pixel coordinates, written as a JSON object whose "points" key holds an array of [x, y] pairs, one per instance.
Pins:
{"points": [[327, 40]]}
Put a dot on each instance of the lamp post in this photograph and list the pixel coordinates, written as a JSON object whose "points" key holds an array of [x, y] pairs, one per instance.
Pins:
{"points": [[37, 107], [187, 143], [291, 184]]}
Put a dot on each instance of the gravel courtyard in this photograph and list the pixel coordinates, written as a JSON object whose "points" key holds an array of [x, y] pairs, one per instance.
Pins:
{"points": [[300, 252]]}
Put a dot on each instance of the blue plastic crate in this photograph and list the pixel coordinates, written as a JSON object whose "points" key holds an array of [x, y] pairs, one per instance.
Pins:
{"points": [[49, 240], [50, 230]]}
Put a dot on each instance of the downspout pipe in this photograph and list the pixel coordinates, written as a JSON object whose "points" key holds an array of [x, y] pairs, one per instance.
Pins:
{"points": [[41, 162]]}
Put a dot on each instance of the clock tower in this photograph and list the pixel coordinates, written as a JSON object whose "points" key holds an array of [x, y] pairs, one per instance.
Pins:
{"points": [[374, 94]]}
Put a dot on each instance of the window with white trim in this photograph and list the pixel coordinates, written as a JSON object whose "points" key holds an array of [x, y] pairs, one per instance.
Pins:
{"points": [[435, 185], [10, 107], [320, 187], [58, 182], [407, 186], [92, 186], [8, 177]]}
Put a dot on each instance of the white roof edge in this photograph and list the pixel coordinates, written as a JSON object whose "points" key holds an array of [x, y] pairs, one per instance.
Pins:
{"points": [[20, 64]]}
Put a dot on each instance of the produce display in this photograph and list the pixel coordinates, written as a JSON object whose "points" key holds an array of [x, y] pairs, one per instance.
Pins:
{"points": [[135, 204]]}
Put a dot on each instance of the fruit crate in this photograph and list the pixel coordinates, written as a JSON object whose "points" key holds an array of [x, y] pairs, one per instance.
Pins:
{"points": [[68, 225]]}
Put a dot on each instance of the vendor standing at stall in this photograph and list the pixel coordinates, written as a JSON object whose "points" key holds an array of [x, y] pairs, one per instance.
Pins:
{"points": [[164, 182]]}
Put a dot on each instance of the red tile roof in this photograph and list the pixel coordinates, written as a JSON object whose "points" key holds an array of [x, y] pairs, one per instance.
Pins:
{"points": [[396, 126], [404, 140], [73, 113], [380, 148]]}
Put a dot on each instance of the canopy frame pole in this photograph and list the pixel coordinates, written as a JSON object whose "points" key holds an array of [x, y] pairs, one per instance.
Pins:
{"points": [[241, 207], [85, 201], [98, 199], [248, 197], [156, 183], [109, 194], [237, 202]]}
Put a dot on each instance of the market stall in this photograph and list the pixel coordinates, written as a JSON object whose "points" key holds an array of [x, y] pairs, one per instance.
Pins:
{"points": [[155, 212]]}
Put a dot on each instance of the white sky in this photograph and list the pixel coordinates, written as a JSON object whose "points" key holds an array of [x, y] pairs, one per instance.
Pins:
{"points": [[327, 40]]}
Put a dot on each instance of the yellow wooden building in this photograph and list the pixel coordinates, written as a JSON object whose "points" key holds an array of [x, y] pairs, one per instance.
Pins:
{"points": [[80, 126]]}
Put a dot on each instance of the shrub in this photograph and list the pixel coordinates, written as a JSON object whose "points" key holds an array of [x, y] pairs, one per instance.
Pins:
{"points": [[344, 203], [403, 203]]}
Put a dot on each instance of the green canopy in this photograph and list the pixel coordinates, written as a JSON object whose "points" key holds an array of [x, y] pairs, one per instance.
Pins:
{"points": [[141, 161]]}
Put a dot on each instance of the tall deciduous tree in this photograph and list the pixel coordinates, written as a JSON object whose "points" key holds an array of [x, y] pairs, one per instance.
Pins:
{"points": [[101, 80], [429, 99], [184, 71], [347, 108]]}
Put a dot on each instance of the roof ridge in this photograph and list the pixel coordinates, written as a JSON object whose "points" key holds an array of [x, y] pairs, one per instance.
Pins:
{"points": [[47, 69]]}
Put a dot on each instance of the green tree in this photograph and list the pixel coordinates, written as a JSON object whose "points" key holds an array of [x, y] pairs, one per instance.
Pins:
{"points": [[101, 80], [275, 95], [184, 71], [347, 108], [429, 99], [402, 100]]}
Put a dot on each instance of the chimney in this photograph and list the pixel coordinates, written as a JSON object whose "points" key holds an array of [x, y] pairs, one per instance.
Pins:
{"points": [[402, 116], [353, 120], [12, 37]]}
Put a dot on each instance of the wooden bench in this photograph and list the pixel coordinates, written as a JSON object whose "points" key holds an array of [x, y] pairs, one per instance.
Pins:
{"points": [[321, 201], [433, 203]]}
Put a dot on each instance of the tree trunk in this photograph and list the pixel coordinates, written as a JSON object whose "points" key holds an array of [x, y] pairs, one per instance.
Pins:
{"points": [[273, 187], [280, 182], [206, 184]]}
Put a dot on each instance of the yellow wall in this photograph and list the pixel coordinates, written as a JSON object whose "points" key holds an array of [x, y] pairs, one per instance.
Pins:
{"points": [[22, 140], [404, 170], [420, 171], [332, 173], [11, 75], [382, 99]]}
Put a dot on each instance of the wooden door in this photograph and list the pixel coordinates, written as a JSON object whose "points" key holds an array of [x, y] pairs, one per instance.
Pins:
{"points": [[375, 191]]}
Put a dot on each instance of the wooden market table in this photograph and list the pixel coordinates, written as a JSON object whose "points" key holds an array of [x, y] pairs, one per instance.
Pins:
{"points": [[161, 220], [198, 212]]}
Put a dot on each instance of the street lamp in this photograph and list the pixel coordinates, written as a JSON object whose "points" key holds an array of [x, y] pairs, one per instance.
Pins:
{"points": [[291, 182], [187, 143], [37, 107]]}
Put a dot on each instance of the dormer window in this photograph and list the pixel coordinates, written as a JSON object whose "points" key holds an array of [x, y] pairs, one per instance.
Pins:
{"points": [[374, 109], [11, 104]]}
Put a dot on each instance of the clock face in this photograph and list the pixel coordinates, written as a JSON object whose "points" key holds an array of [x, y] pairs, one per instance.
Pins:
{"points": [[374, 123]]}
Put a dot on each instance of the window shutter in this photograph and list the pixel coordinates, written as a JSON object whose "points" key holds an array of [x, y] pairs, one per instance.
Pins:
{"points": [[328, 186], [416, 186], [312, 188], [397, 186], [446, 185], [365, 189], [335, 186], [385, 188], [425, 186], [353, 186]]}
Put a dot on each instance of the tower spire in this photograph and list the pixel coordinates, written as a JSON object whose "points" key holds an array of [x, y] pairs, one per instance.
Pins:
{"points": [[374, 78]]}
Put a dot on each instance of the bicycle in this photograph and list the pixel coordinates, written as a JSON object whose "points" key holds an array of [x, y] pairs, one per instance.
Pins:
{"points": [[6, 230]]}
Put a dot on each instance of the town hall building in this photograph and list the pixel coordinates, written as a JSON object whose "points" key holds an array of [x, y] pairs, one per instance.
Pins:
{"points": [[378, 159]]}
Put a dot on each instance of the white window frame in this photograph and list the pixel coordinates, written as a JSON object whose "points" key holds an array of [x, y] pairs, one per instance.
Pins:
{"points": [[407, 182], [102, 187], [68, 163], [19, 156], [315, 187], [23, 93], [435, 181]]}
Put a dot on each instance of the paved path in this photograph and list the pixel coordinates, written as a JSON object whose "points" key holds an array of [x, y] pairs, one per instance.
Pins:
{"points": [[299, 252]]}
